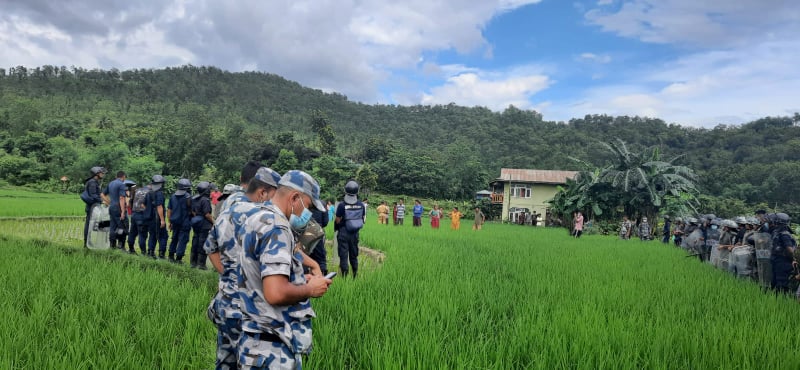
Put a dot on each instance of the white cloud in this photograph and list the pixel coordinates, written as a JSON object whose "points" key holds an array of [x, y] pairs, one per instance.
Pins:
{"points": [[495, 91], [345, 45], [699, 23], [591, 57]]}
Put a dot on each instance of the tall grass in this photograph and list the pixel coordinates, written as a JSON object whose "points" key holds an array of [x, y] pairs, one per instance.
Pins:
{"points": [[504, 297]]}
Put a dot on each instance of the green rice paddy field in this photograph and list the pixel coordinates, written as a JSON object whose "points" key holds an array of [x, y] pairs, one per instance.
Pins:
{"points": [[505, 297]]}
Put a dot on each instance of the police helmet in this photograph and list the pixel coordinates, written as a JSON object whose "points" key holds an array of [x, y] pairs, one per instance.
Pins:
{"points": [[710, 217], [782, 219], [693, 221], [678, 219], [752, 220], [184, 185], [740, 220], [730, 224], [203, 187], [158, 182], [351, 192], [129, 183], [97, 169], [716, 221]]}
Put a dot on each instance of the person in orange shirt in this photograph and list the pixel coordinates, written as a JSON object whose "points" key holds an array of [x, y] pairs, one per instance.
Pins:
{"points": [[455, 219], [383, 213]]}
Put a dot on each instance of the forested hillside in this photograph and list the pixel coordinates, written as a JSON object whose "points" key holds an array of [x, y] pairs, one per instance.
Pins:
{"points": [[203, 122]]}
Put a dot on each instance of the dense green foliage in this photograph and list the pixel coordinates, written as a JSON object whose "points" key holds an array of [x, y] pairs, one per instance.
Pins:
{"points": [[205, 123], [634, 184]]}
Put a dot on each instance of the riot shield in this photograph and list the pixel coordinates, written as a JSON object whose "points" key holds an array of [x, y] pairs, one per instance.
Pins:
{"points": [[714, 252], [724, 259], [763, 265], [99, 225], [692, 243], [741, 261]]}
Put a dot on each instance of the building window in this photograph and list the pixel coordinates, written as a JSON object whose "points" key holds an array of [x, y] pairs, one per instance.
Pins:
{"points": [[520, 191]]}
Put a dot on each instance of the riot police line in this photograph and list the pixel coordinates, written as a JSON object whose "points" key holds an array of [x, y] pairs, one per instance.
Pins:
{"points": [[760, 248]]}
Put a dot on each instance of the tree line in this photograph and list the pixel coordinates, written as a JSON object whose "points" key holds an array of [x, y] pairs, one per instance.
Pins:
{"points": [[203, 122]]}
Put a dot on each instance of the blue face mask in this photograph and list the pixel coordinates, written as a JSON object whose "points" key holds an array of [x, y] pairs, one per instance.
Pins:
{"points": [[713, 227], [299, 222]]}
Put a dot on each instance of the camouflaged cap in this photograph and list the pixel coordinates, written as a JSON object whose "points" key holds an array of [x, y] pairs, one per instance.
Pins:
{"points": [[269, 249]]}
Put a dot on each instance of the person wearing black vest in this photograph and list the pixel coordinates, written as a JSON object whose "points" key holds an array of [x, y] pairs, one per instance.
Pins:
{"points": [[782, 254], [92, 190], [202, 221], [179, 214], [349, 220]]}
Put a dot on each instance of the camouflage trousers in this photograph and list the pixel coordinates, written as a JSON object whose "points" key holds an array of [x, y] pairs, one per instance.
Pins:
{"points": [[229, 330], [228, 335], [266, 351]]}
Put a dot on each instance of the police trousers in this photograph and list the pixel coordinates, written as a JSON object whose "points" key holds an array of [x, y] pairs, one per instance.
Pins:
{"points": [[180, 237], [198, 256], [348, 251]]}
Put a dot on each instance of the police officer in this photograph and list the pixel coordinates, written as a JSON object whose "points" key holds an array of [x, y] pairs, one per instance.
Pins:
{"points": [[349, 220], [202, 221], [157, 227], [92, 190], [667, 227], [319, 254], [274, 292], [179, 212], [224, 249], [117, 211], [133, 229], [782, 256]]}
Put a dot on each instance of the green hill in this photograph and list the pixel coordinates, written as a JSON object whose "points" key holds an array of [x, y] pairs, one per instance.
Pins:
{"points": [[205, 122]]}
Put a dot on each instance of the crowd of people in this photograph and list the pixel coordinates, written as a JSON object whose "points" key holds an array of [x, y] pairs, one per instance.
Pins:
{"points": [[761, 247], [265, 238], [436, 214]]}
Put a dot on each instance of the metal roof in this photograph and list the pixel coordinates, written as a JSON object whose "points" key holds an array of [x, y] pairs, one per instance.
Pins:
{"points": [[484, 192], [535, 176]]}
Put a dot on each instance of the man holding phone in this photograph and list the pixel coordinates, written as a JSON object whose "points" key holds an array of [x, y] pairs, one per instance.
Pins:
{"points": [[274, 292]]}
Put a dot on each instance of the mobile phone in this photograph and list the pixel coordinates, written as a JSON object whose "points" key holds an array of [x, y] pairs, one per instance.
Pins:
{"points": [[330, 275]]}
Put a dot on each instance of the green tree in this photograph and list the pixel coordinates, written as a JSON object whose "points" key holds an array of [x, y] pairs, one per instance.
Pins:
{"points": [[286, 161]]}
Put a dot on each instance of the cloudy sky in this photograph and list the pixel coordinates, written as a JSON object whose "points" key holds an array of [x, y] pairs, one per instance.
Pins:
{"points": [[691, 62]]}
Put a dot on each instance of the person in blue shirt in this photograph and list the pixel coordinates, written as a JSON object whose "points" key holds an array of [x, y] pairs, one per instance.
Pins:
{"points": [[202, 221], [179, 213], [417, 211], [116, 207], [92, 188], [349, 220], [157, 226]]}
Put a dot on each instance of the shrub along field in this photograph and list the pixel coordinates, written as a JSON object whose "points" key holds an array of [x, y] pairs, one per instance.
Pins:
{"points": [[504, 297]]}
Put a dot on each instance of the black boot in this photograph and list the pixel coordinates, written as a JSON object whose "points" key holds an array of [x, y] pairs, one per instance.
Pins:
{"points": [[161, 255], [178, 260], [171, 257]]}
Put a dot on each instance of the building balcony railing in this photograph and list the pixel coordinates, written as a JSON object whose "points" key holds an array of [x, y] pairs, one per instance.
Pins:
{"points": [[497, 198]]}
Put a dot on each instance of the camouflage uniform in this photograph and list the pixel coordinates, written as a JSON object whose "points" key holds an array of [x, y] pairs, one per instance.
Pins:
{"points": [[273, 336], [224, 309]]}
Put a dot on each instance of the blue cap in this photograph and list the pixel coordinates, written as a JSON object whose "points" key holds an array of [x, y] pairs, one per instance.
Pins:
{"points": [[268, 176], [304, 183]]}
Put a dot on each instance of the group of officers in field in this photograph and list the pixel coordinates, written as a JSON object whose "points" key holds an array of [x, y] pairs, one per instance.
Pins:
{"points": [[761, 247], [259, 239]]}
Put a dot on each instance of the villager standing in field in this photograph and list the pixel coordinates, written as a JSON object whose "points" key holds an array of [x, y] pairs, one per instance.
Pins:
{"points": [[179, 214], [394, 214], [349, 220], [275, 293], [92, 196], [117, 211], [455, 219], [625, 228], [667, 227], [644, 230], [331, 210], [158, 225], [578, 219], [417, 213], [224, 250], [383, 213], [401, 213], [201, 224], [480, 218], [436, 215]]}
